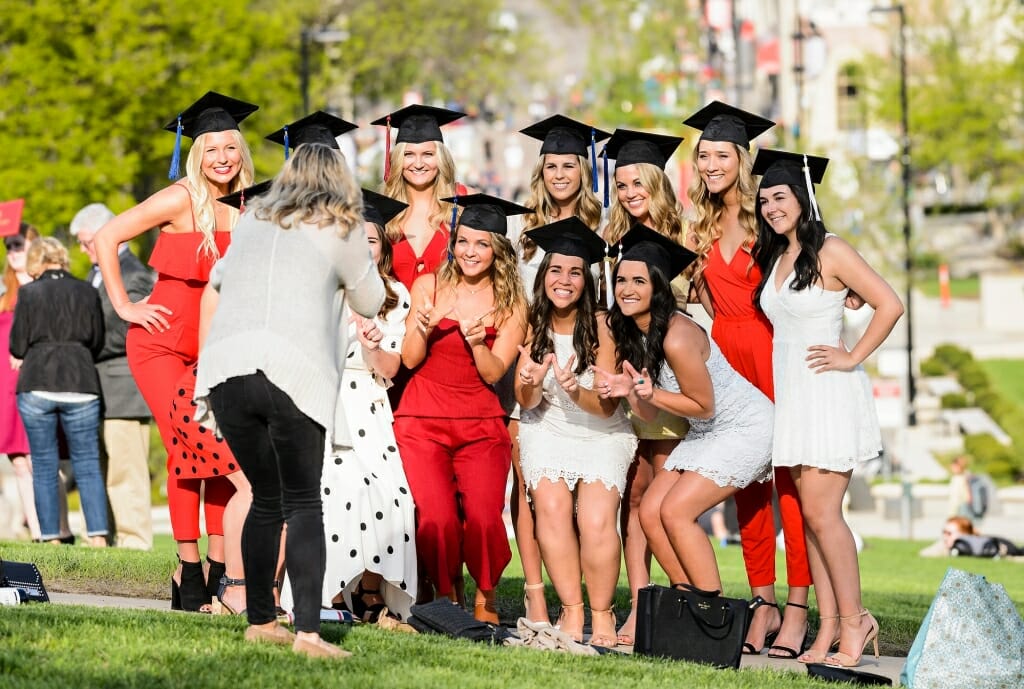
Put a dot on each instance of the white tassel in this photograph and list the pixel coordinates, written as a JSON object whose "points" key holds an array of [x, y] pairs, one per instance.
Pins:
{"points": [[609, 297], [810, 190]]}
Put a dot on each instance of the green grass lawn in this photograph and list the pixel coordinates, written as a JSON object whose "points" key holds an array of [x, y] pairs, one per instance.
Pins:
{"points": [[959, 288], [48, 646], [1007, 376]]}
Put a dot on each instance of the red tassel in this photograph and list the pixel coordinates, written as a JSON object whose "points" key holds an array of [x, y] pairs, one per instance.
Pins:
{"points": [[387, 152]]}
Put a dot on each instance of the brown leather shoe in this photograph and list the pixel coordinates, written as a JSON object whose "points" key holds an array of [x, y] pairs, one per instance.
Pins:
{"points": [[270, 635], [318, 649]]}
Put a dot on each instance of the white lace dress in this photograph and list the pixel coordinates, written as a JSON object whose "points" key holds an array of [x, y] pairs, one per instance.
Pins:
{"points": [[733, 447], [560, 441], [825, 420]]}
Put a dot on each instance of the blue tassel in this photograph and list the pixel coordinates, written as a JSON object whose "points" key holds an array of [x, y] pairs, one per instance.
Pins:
{"points": [[286, 142], [604, 154], [593, 159], [455, 210], [173, 172]]}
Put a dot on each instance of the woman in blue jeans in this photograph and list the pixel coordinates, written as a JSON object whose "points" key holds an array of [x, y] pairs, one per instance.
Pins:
{"points": [[56, 335]]}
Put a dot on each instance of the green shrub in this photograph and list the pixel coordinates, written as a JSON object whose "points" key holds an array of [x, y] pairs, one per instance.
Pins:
{"points": [[990, 457], [973, 377], [927, 260], [952, 356], [954, 400], [933, 367]]}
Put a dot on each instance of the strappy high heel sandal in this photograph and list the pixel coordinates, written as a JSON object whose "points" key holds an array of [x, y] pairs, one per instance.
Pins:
{"points": [[578, 638], [769, 637], [214, 571], [526, 600], [364, 611], [844, 660], [785, 652], [626, 639], [809, 657], [219, 606], [189, 594], [603, 640]]}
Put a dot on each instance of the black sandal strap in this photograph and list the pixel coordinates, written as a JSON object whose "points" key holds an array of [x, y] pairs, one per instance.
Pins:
{"points": [[796, 605]]}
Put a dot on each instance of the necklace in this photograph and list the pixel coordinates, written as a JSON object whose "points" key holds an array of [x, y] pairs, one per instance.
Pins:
{"points": [[474, 291]]}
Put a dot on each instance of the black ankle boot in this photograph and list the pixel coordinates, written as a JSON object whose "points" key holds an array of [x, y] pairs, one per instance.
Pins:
{"points": [[213, 575], [190, 594]]}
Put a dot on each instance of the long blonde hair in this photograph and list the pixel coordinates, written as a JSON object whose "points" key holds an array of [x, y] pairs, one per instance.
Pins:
{"points": [[203, 202], [588, 207], [314, 187], [444, 186], [665, 210], [506, 283], [709, 208]]}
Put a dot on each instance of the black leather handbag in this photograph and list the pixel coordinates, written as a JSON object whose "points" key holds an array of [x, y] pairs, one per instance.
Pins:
{"points": [[690, 624], [442, 616], [24, 576]]}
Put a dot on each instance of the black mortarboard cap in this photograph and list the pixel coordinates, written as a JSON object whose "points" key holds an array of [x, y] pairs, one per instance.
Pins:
{"points": [[379, 209], [419, 123], [629, 147], [642, 243], [486, 212], [722, 122], [320, 128], [784, 167], [214, 112], [569, 237], [562, 134], [239, 198]]}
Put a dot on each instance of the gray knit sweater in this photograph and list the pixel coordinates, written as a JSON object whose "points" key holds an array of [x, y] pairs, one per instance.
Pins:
{"points": [[279, 309]]}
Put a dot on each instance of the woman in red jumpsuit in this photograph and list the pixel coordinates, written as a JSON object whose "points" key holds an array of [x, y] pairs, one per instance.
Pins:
{"points": [[462, 333], [724, 197], [163, 344]]}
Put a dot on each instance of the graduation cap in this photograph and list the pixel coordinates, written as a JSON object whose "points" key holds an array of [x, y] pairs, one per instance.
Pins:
{"points": [[486, 212], [629, 147], [569, 237], [416, 124], [795, 169], [564, 135], [214, 112], [10, 217], [643, 244], [319, 128], [380, 209], [238, 198], [722, 122]]}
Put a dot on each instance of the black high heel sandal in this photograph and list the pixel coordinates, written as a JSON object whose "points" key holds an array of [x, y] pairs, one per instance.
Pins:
{"points": [[219, 606], [363, 611], [785, 652], [190, 594], [769, 637], [213, 574]]}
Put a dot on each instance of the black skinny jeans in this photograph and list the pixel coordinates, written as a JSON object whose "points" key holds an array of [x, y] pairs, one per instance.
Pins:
{"points": [[281, 451]]}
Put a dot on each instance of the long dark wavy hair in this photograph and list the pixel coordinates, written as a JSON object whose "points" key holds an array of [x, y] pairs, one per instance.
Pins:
{"points": [[584, 332], [810, 233], [631, 344]]}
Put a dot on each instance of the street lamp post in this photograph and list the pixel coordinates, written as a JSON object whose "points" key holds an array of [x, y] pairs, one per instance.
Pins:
{"points": [[307, 37], [900, 10]]}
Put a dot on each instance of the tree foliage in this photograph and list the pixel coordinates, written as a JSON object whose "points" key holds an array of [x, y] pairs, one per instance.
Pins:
{"points": [[966, 96]]}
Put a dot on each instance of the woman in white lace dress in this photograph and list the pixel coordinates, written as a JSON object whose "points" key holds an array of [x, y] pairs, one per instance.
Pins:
{"points": [[669, 363], [575, 447], [825, 420]]}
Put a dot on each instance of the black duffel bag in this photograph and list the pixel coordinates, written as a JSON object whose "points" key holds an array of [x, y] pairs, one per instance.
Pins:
{"points": [[24, 576], [686, 623]]}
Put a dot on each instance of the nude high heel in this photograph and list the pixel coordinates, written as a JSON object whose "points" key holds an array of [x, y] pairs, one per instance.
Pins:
{"points": [[526, 598], [844, 660], [572, 606]]}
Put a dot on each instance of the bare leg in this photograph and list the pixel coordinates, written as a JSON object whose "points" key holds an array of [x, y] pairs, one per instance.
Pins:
{"points": [[235, 513], [560, 548], [23, 474], [832, 554], [654, 530], [689, 498], [596, 509], [526, 540]]}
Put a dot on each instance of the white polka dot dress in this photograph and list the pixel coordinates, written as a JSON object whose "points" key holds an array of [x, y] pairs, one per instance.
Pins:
{"points": [[369, 521]]}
